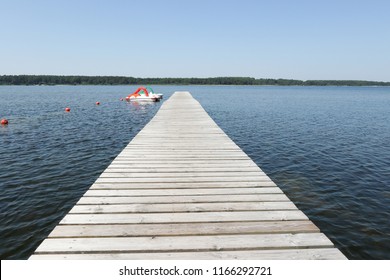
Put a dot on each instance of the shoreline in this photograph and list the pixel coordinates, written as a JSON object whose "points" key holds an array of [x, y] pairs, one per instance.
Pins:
{"points": [[206, 85], [50, 80]]}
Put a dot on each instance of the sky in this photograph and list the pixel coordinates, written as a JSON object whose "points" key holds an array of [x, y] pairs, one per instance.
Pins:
{"points": [[306, 40]]}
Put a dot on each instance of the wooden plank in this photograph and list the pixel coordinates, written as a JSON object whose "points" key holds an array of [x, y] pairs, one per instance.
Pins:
{"points": [[181, 147], [204, 185], [258, 178], [134, 230], [147, 218], [179, 169], [187, 142], [183, 192], [242, 161], [186, 243], [180, 157], [164, 148], [193, 137], [182, 207], [180, 152], [178, 145], [289, 254], [180, 165], [135, 174], [182, 199]]}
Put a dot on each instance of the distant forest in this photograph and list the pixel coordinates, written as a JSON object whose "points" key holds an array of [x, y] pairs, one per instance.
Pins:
{"points": [[119, 80]]}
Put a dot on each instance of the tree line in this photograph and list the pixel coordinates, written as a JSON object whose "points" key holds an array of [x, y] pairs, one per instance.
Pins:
{"points": [[121, 80]]}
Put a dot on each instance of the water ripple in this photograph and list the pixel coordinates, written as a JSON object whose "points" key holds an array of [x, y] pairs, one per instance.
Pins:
{"points": [[49, 158], [327, 148]]}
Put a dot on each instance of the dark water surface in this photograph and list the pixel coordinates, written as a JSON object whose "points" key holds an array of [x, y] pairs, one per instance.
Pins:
{"points": [[328, 148]]}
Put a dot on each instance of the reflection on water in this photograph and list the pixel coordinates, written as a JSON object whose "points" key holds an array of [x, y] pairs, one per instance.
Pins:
{"points": [[140, 104]]}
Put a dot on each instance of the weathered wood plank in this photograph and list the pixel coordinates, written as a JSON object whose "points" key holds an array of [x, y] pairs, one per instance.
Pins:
{"points": [[242, 161], [182, 207], [180, 153], [180, 165], [247, 227], [135, 174], [147, 218], [186, 243], [196, 146], [181, 199], [191, 185], [164, 148], [288, 254], [257, 178], [183, 192], [178, 157], [179, 169]]}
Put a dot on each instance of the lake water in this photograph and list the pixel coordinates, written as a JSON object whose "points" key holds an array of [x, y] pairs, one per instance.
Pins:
{"points": [[328, 148]]}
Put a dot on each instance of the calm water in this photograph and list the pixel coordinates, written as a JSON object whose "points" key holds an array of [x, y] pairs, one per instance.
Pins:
{"points": [[328, 148]]}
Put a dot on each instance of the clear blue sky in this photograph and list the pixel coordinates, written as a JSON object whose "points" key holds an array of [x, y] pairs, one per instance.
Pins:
{"points": [[263, 39]]}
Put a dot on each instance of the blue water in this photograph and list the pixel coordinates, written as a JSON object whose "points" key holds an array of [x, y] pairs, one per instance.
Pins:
{"points": [[328, 148]]}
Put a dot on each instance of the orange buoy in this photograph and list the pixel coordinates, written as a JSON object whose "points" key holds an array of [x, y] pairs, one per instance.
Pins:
{"points": [[67, 109], [98, 103], [4, 121]]}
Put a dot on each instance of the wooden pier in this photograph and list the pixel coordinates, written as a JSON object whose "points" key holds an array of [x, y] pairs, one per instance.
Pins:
{"points": [[182, 189]]}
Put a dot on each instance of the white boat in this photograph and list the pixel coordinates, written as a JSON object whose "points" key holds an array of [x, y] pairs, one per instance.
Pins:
{"points": [[144, 94]]}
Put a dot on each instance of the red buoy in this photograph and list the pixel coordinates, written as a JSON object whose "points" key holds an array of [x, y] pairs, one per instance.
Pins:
{"points": [[98, 103], [4, 121], [67, 109]]}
